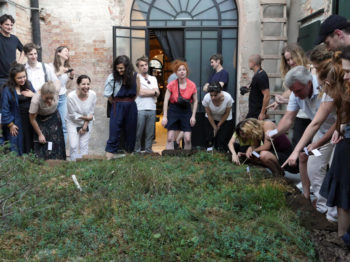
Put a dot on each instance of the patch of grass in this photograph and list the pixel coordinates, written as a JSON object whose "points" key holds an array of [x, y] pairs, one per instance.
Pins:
{"points": [[197, 208]]}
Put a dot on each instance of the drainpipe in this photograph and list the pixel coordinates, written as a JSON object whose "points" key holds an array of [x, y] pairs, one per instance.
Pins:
{"points": [[34, 6]]}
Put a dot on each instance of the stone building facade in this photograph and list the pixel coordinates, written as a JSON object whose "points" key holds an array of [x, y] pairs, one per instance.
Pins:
{"points": [[85, 26]]}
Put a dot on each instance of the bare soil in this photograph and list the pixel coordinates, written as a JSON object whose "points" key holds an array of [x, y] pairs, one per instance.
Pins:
{"points": [[329, 247]]}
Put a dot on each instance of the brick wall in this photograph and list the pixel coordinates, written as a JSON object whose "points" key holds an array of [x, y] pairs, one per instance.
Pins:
{"points": [[85, 26], [23, 27]]}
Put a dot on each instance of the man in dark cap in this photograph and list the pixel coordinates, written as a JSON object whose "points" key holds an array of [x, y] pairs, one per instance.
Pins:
{"points": [[335, 33]]}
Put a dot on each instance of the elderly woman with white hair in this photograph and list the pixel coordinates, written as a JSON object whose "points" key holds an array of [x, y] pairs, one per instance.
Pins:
{"points": [[46, 121]]}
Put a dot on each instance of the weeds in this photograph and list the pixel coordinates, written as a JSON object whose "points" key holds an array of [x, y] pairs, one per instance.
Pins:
{"points": [[198, 208]]}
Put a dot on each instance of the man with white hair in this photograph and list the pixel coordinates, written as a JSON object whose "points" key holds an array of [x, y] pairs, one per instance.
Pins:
{"points": [[306, 96]]}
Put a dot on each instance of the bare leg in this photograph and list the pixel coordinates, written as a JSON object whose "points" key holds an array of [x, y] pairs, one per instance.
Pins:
{"points": [[343, 221], [170, 140], [270, 161], [187, 138], [305, 181], [179, 137]]}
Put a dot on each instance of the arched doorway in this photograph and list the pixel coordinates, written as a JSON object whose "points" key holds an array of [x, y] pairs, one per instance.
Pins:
{"points": [[190, 29]]}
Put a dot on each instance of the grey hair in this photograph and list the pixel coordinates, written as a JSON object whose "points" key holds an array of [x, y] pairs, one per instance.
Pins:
{"points": [[48, 88], [298, 74]]}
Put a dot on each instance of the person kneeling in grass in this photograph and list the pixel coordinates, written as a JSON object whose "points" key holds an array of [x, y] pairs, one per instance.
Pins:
{"points": [[255, 146]]}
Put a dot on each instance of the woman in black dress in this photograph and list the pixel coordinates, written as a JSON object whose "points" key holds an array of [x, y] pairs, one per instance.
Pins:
{"points": [[336, 185], [17, 95], [47, 124]]}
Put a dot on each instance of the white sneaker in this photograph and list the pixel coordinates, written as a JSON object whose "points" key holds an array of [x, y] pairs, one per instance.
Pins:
{"points": [[331, 218]]}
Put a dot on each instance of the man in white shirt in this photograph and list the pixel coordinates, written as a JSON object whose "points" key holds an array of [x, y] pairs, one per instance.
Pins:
{"points": [[306, 96], [146, 105], [38, 73]]}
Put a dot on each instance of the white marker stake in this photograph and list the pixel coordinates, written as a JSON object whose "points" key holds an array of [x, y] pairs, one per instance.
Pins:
{"points": [[316, 152], [256, 154], [306, 151], [209, 149], [248, 171], [49, 146], [274, 149], [76, 182], [245, 160]]}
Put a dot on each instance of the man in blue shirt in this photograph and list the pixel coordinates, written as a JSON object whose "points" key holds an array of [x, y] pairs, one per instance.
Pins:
{"points": [[306, 96], [220, 75]]}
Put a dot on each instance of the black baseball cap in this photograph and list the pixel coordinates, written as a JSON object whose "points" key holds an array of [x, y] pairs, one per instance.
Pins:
{"points": [[328, 26]]}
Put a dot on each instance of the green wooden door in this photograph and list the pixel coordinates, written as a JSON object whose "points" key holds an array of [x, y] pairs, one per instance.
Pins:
{"points": [[344, 8]]}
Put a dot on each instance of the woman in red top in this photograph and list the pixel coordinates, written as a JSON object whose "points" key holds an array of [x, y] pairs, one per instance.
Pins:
{"points": [[179, 116]]}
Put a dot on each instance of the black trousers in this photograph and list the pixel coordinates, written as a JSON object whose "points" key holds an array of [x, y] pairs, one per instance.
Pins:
{"points": [[300, 124], [222, 137]]}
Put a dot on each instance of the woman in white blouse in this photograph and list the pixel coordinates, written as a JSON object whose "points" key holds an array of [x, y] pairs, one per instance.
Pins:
{"points": [[219, 124], [81, 105]]}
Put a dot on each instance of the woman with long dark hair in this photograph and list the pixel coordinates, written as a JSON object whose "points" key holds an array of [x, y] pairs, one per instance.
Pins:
{"points": [[65, 75], [16, 99], [121, 90]]}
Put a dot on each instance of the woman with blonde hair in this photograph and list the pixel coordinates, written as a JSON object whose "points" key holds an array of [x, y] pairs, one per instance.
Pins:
{"points": [[46, 121], [254, 145], [292, 55]]}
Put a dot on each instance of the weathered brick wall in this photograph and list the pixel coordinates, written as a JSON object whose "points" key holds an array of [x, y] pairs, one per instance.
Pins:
{"points": [[85, 26], [23, 27]]}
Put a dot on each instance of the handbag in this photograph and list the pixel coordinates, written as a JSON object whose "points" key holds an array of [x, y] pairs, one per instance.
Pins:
{"points": [[109, 104], [182, 102]]}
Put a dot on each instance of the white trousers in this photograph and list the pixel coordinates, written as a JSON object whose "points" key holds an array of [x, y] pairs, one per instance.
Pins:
{"points": [[317, 170], [78, 144]]}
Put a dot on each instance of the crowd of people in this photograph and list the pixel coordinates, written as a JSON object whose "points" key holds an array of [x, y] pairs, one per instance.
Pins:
{"points": [[38, 116]]}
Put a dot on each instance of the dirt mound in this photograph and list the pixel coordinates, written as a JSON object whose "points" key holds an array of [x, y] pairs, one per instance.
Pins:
{"points": [[329, 246]]}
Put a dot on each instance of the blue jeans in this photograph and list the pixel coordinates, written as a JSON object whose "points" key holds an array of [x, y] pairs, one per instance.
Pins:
{"points": [[62, 109], [145, 123]]}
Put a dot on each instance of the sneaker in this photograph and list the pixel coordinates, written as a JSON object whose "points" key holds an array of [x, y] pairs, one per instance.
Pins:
{"points": [[331, 218]]}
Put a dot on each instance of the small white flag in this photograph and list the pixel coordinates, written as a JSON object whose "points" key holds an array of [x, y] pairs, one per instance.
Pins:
{"points": [[209, 149], [316, 152], [248, 169], [306, 151], [76, 182], [256, 154], [49, 146]]}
